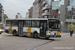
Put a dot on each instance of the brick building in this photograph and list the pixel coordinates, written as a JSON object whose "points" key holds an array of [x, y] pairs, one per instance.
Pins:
{"points": [[30, 12]]}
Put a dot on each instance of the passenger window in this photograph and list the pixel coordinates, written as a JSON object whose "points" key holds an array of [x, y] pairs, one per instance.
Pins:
{"points": [[35, 23], [8, 23], [27, 23], [14, 23]]}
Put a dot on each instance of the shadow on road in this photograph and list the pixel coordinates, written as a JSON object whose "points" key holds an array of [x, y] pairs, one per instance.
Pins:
{"points": [[10, 35]]}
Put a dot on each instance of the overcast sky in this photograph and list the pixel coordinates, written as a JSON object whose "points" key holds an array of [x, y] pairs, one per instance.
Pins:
{"points": [[12, 7]]}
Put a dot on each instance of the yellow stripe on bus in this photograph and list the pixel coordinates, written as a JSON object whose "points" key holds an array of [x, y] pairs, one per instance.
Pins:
{"points": [[29, 31], [57, 32], [10, 30]]}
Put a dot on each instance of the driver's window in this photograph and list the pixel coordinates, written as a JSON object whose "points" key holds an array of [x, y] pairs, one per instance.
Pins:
{"points": [[50, 25]]}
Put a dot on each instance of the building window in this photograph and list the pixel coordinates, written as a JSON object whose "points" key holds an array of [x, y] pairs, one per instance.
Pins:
{"points": [[45, 17], [45, 11], [72, 2]]}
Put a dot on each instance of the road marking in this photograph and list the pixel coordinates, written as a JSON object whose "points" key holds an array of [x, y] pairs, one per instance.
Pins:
{"points": [[62, 36], [36, 47]]}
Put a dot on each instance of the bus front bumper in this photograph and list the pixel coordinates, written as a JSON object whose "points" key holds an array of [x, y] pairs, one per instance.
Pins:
{"points": [[57, 36]]}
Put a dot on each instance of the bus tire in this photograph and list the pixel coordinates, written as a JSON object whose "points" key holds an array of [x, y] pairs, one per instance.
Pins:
{"points": [[0, 33], [35, 35], [14, 33]]}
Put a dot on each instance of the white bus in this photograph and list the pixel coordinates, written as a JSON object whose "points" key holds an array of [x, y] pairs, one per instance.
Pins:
{"points": [[1, 28], [35, 27]]}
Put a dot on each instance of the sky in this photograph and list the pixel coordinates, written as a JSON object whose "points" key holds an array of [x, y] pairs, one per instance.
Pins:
{"points": [[12, 7]]}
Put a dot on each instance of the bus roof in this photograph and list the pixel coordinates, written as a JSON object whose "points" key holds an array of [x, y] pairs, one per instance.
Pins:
{"points": [[32, 19]]}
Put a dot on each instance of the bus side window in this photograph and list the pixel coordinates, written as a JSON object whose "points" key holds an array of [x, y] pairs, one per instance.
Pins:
{"points": [[27, 23], [35, 23], [8, 23], [14, 23]]}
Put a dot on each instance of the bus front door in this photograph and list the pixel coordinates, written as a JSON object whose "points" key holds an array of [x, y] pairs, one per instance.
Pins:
{"points": [[20, 28], [43, 28]]}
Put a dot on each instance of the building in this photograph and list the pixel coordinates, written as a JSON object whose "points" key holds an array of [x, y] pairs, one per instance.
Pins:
{"points": [[55, 9], [27, 15], [70, 15], [44, 8], [18, 16], [31, 12], [67, 15], [49, 9], [35, 9], [1, 14]]}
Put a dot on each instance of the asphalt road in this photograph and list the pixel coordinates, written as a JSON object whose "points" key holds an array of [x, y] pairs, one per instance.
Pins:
{"points": [[10, 42]]}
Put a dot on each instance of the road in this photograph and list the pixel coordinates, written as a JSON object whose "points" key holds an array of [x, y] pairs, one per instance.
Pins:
{"points": [[10, 42]]}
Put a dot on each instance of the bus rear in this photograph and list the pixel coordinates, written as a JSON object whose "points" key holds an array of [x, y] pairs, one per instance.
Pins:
{"points": [[53, 28]]}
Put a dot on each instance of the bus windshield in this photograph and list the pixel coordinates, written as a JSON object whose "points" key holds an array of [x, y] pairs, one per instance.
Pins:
{"points": [[1, 27], [54, 25]]}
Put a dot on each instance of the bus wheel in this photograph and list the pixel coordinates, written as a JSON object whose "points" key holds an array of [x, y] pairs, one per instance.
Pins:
{"points": [[14, 33], [0, 33], [35, 35]]}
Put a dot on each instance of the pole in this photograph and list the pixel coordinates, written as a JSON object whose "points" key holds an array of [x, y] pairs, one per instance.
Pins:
{"points": [[72, 21]]}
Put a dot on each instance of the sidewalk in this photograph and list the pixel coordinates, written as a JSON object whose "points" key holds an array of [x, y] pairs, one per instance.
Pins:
{"points": [[65, 43]]}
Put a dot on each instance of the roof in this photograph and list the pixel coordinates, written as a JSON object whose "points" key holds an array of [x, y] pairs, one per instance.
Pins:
{"points": [[31, 19]]}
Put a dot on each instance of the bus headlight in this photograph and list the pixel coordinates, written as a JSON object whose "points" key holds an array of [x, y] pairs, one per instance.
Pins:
{"points": [[0, 30], [47, 33]]}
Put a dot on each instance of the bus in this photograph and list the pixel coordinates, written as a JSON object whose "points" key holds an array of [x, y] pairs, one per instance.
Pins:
{"points": [[34, 27], [1, 28]]}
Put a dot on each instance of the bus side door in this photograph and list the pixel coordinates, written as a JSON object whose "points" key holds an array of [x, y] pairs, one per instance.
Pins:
{"points": [[43, 28], [20, 28]]}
